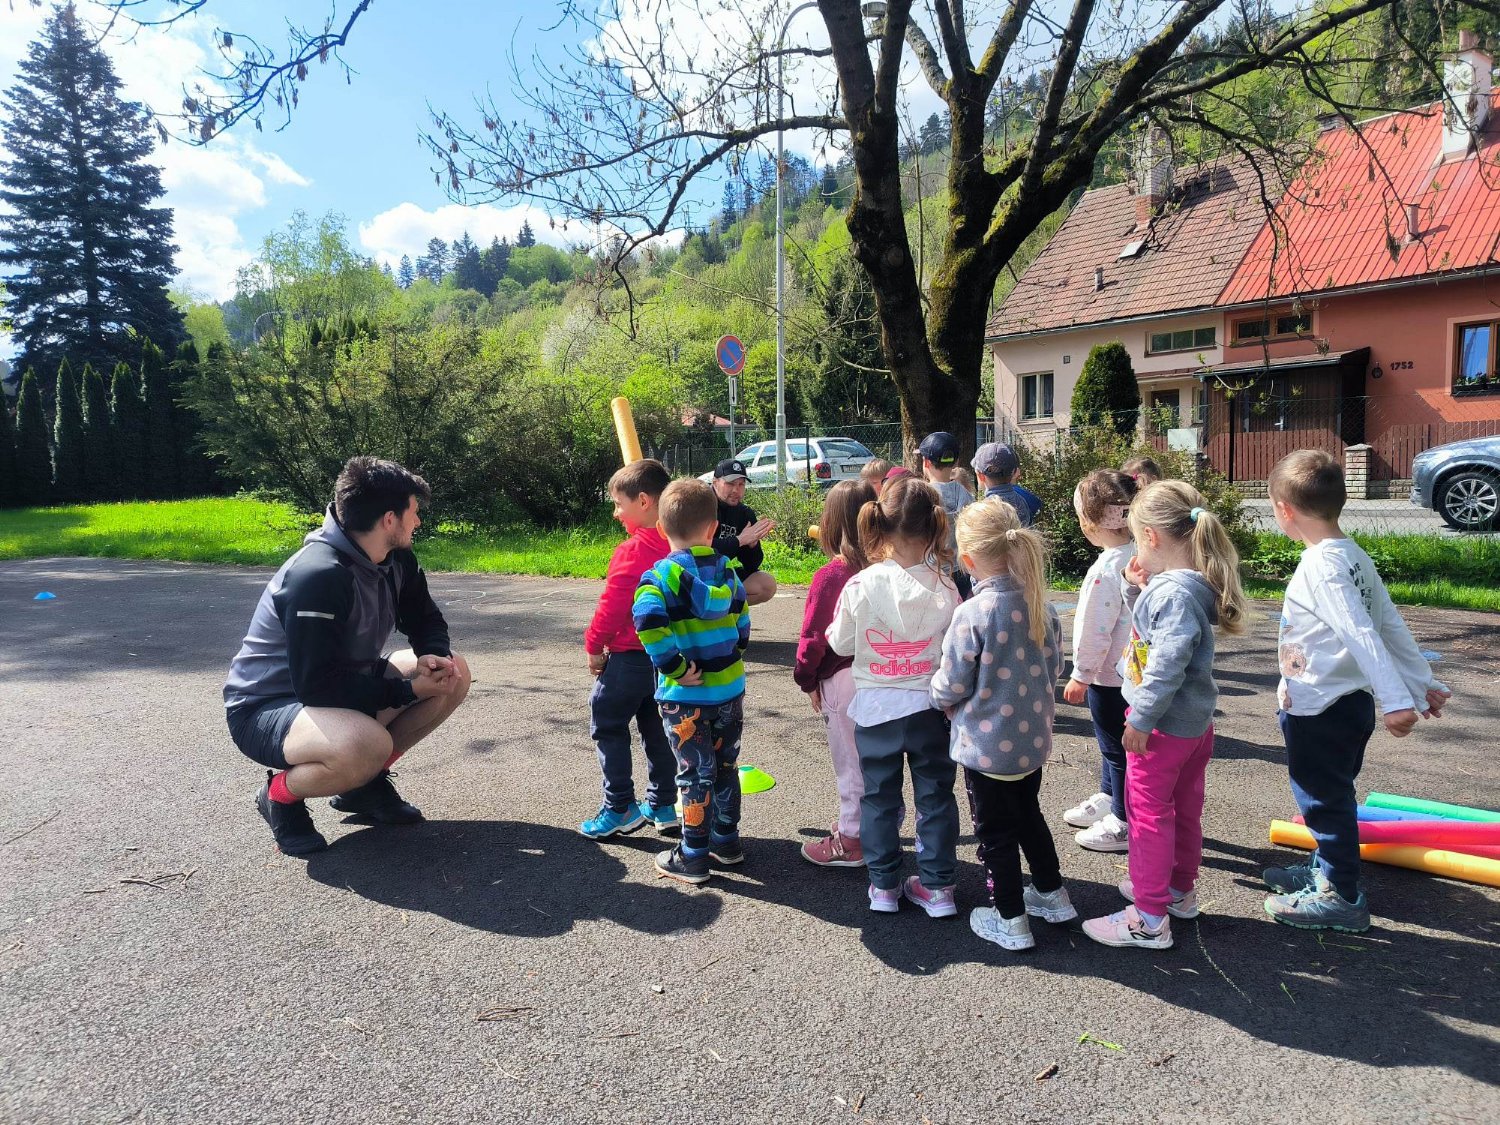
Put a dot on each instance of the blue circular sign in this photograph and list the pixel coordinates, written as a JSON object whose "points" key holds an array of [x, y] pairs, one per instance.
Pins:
{"points": [[731, 355]]}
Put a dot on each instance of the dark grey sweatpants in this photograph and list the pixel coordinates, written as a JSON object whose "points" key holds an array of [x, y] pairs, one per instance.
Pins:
{"points": [[922, 740]]}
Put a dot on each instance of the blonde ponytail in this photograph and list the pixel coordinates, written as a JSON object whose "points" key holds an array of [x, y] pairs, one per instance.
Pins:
{"points": [[992, 531], [1176, 509]]}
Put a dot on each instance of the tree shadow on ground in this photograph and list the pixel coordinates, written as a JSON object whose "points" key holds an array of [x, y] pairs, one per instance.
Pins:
{"points": [[504, 877]]}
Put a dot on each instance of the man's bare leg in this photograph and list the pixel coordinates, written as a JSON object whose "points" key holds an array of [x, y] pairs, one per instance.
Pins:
{"points": [[331, 749], [409, 725], [760, 587]]}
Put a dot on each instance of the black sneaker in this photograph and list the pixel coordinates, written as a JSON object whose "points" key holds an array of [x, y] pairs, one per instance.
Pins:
{"points": [[292, 825], [378, 800], [675, 864], [728, 854]]}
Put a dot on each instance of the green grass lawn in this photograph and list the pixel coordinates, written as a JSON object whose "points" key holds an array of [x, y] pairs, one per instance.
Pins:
{"points": [[257, 533]]}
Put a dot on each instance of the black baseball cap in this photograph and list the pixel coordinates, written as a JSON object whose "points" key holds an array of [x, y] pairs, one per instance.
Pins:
{"points": [[940, 448], [732, 469]]}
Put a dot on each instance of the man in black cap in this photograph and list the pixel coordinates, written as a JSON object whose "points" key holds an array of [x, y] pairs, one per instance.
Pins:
{"points": [[740, 532]]}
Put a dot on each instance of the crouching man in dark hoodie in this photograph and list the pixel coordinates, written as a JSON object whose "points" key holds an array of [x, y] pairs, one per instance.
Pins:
{"points": [[310, 695]]}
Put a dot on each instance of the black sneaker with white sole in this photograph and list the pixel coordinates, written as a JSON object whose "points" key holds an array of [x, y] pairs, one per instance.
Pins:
{"points": [[676, 864], [377, 800], [292, 825], [728, 854]]}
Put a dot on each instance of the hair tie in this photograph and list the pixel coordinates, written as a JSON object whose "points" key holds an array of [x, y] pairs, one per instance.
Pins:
{"points": [[1194, 514], [1136, 477], [1010, 534]]}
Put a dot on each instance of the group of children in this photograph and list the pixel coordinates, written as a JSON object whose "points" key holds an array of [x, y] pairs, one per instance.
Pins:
{"points": [[928, 644]]}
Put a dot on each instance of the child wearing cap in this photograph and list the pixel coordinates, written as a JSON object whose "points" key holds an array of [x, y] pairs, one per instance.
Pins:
{"points": [[998, 469], [740, 531], [939, 453]]}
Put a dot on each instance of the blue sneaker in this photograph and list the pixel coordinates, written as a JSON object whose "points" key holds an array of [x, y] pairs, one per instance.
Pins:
{"points": [[1289, 880], [663, 818], [609, 822], [1320, 907]]}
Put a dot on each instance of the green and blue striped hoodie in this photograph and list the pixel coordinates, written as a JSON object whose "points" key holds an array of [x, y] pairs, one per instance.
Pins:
{"points": [[690, 608]]}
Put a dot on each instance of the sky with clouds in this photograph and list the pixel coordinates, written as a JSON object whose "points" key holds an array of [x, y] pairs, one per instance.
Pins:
{"points": [[351, 147]]}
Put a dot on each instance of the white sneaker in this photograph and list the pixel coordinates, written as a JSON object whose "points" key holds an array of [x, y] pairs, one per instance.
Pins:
{"points": [[1007, 933], [1109, 834], [884, 901], [1185, 907], [1089, 811], [1053, 907], [1128, 928]]}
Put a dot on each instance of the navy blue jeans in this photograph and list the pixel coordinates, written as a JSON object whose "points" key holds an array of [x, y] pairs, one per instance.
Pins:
{"points": [[625, 692], [918, 742], [1323, 755], [706, 740], [1107, 708]]}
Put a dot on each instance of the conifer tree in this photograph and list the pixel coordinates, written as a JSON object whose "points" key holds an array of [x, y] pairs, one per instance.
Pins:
{"points": [[527, 237], [127, 414], [1107, 393], [436, 259], [99, 465], [90, 255], [163, 447], [67, 438], [405, 275], [493, 262], [196, 475], [8, 497], [33, 457]]}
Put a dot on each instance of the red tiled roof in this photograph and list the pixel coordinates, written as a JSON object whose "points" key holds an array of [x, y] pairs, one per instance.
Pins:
{"points": [[1345, 219], [1192, 250]]}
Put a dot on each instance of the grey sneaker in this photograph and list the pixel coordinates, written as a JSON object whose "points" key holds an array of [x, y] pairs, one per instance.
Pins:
{"points": [[1289, 880], [1320, 907], [1007, 933], [1054, 906]]}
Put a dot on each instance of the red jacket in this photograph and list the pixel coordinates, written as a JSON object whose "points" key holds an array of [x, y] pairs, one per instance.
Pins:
{"points": [[612, 628], [815, 660]]}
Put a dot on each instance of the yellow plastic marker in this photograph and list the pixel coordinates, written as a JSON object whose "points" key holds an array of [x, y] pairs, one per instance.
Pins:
{"points": [[1434, 861], [630, 442]]}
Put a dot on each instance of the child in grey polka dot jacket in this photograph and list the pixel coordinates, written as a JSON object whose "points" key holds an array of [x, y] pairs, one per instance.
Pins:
{"points": [[1002, 657]]}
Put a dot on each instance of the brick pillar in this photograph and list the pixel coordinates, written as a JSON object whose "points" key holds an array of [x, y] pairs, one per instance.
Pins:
{"points": [[1357, 471]]}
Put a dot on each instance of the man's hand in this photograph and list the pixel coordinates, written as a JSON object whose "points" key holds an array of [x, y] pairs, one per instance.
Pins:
{"points": [[1136, 574], [1075, 692], [1436, 701], [435, 675], [1135, 740], [597, 661], [1400, 723], [756, 532], [692, 677], [815, 697]]}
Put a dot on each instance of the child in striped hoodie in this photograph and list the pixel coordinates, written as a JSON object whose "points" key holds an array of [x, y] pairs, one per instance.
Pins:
{"points": [[691, 617]]}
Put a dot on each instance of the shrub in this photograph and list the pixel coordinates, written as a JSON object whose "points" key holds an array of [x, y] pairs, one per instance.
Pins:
{"points": [[794, 510], [1106, 393]]}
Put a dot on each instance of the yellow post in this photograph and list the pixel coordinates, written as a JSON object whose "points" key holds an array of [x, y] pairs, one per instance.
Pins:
{"points": [[630, 442]]}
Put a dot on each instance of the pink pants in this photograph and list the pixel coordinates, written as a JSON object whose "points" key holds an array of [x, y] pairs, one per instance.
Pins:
{"points": [[1164, 800], [838, 693]]}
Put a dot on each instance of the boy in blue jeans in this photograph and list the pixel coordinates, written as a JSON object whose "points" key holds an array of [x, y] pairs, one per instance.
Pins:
{"points": [[690, 615], [625, 687], [1341, 637]]}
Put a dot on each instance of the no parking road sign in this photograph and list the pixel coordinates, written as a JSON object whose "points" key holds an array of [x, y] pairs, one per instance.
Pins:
{"points": [[731, 355]]}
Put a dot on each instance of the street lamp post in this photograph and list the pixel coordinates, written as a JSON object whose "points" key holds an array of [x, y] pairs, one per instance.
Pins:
{"points": [[781, 252]]}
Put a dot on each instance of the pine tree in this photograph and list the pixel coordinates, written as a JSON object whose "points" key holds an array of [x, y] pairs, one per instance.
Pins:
{"points": [[8, 497], [99, 465], [494, 261], [527, 237], [405, 275], [437, 260], [731, 200], [1107, 393], [127, 414], [68, 473], [33, 457], [93, 256], [196, 475], [468, 270], [163, 446]]}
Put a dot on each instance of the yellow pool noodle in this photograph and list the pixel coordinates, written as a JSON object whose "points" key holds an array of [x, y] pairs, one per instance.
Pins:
{"points": [[630, 442], [1434, 861]]}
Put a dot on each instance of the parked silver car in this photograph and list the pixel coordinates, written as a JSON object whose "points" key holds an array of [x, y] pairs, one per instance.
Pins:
{"points": [[820, 461], [1460, 482]]}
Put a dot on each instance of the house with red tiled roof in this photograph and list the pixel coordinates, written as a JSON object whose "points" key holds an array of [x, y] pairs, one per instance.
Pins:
{"points": [[1364, 313]]}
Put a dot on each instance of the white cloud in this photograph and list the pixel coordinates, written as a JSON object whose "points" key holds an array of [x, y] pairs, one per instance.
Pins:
{"points": [[407, 228], [208, 188]]}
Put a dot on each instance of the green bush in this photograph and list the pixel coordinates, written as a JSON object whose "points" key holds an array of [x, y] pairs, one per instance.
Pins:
{"points": [[794, 510], [1107, 393]]}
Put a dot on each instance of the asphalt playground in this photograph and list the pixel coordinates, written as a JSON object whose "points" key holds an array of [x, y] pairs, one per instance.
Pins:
{"points": [[160, 961]]}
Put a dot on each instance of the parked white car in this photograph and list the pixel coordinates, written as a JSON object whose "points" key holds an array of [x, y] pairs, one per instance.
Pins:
{"points": [[822, 461]]}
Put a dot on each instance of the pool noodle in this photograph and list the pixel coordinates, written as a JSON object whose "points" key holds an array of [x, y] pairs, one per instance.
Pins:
{"points": [[1452, 835], [1434, 861], [1417, 804], [1370, 812], [630, 442]]}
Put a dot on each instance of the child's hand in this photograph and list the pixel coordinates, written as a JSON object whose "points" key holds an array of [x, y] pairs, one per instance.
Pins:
{"points": [[597, 661], [1136, 574], [815, 697], [1075, 692], [1400, 723], [1436, 701], [1135, 740], [692, 677]]}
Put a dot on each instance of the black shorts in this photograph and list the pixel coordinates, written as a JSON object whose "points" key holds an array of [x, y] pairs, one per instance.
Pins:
{"points": [[260, 729]]}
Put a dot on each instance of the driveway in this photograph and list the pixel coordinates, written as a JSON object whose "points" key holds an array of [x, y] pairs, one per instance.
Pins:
{"points": [[159, 961]]}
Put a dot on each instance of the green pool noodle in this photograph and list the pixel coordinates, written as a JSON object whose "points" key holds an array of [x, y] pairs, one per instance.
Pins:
{"points": [[754, 780], [1438, 808]]}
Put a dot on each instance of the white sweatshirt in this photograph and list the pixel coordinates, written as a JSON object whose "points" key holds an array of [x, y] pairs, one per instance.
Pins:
{"points": [[1341, 633], [1101, 623]]}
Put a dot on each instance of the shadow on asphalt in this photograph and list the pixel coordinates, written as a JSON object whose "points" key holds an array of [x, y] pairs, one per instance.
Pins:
{"points": [[504, 877]]}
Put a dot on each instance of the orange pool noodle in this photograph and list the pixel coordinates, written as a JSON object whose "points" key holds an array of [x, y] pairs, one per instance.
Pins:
{"points": [[1434, 861], [630, 442]]}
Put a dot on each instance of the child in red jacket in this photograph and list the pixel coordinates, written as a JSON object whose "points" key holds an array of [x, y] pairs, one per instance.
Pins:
{"points": [[625, 688], [824, 675]]}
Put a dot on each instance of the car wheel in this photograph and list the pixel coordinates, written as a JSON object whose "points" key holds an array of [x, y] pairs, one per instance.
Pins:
{"points": [[1470, 501]]}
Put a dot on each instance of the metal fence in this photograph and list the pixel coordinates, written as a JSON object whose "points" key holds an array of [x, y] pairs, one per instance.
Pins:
{"points": [[698, 450]]}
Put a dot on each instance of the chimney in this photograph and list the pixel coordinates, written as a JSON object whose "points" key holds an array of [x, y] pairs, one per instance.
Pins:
{"points": [[1413, 222], [1153, 174], [1328, 122], [1466, 96], [1098, 279]]}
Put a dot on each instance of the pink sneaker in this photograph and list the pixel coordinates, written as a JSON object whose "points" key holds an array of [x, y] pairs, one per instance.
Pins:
{"points": [[884, 901], [836, 850], [1128, 928], [937, 901]]}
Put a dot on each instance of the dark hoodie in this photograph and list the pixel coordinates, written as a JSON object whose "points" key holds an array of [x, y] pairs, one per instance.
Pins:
{"points": [[322, 623]]}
